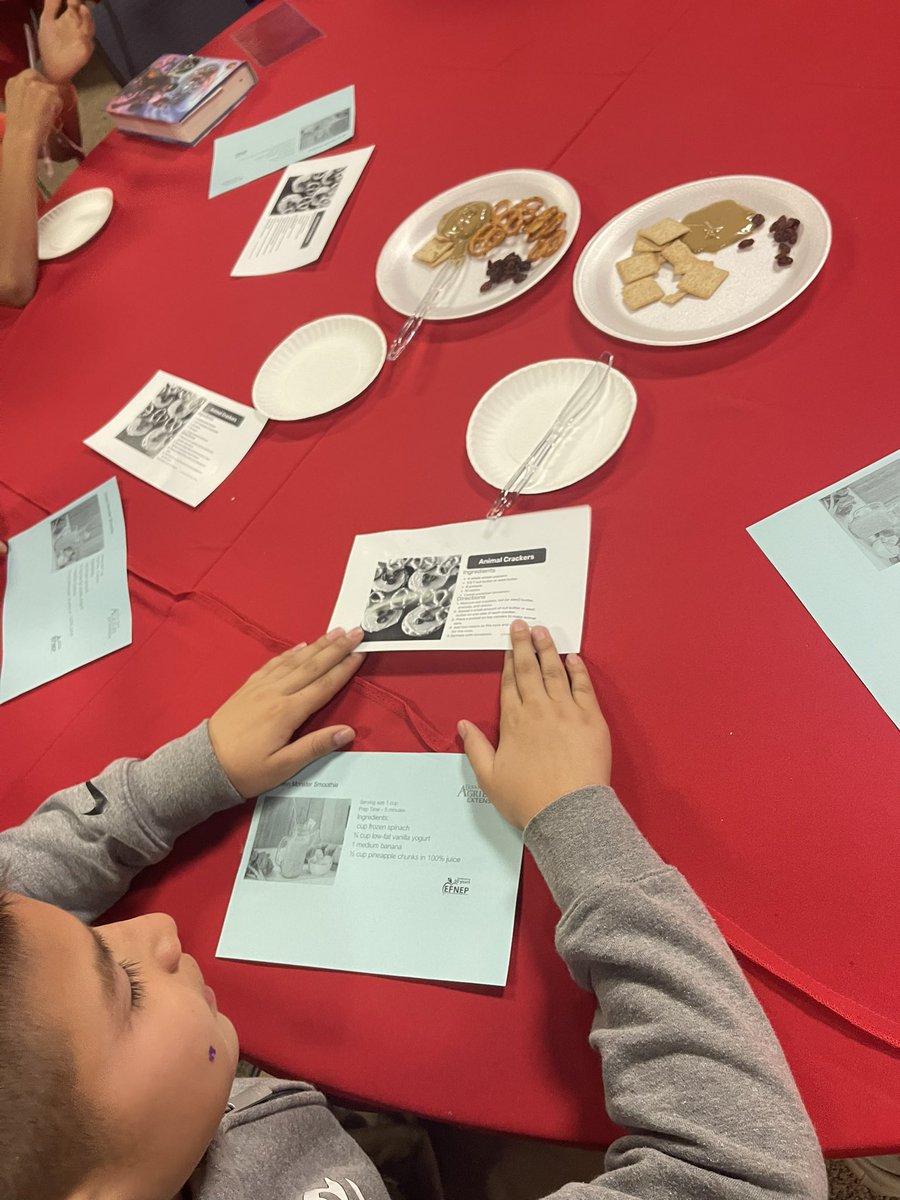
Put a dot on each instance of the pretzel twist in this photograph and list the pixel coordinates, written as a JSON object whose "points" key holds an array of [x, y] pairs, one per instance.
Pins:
{"points": [[546, 246], [488, 238]]}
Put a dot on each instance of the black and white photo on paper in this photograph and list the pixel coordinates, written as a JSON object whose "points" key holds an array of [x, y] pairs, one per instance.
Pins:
{"points": [[298, 839], [307, 193], [410, 598], [330, 127], [161, 419], [76, 534], [868, 510]]}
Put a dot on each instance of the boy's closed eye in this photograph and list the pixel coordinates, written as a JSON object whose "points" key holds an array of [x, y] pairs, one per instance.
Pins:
{"points": [[108, 969]]}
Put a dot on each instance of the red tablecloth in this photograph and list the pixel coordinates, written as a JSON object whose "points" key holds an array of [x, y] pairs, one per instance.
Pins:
{"points": [[747, 750]]}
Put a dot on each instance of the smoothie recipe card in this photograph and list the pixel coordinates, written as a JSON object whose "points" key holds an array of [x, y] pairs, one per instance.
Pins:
{"points": [[387, 864]]}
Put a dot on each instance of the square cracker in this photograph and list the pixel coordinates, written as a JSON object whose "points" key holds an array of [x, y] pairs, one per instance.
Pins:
{"points": [[638, 266], [664, 231], [673, 297], [679, 256], [642, 245], [640, 293], [435, 250], [702, 279]]}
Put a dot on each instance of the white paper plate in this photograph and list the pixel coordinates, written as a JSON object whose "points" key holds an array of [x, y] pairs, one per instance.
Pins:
{"points": [[74, 222], [402, 280], [320, 366], [755, 289], [515, 413]]}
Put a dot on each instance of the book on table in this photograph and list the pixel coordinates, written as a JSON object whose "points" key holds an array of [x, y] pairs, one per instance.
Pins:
{"points": [[180, 97]]}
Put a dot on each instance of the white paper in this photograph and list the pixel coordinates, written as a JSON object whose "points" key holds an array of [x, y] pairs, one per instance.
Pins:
{"points": [[301, 213], [457, 587], [181, 438]]}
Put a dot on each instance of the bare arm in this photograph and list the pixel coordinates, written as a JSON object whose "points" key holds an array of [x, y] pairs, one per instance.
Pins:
{"points": [[66, 42], [32, 105]]}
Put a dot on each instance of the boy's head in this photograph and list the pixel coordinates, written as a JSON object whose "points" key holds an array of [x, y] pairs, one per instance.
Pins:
{"points": [[115, 1066]]}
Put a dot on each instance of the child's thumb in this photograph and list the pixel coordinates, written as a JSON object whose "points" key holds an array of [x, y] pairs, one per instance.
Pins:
{"points": [[479, 752]]}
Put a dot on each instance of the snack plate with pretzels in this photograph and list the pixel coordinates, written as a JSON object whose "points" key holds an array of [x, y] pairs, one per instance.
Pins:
{"points": [[535, 215]]}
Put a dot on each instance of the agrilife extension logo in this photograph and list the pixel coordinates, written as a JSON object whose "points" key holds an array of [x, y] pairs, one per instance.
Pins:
{"points": [[473, 794], [458, 886]]}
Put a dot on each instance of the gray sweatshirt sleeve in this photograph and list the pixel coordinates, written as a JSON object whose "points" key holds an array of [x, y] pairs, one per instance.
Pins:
{"points": [[81, 849], [691, 1067]]}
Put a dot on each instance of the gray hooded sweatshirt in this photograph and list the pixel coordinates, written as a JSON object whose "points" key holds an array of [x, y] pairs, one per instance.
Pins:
{"points": [[691, 1067]]}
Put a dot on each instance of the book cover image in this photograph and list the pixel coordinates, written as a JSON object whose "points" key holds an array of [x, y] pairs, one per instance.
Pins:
{"points": [[172, 87]]}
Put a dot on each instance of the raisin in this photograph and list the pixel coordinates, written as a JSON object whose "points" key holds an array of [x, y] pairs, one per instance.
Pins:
{"points": [[784, 260], [745, 244], [757, 220]]}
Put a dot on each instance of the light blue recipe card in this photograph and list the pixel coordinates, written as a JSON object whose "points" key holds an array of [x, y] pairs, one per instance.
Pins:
{"points": [[301, 133], [839, 550], [387, 864], [67, 599]]}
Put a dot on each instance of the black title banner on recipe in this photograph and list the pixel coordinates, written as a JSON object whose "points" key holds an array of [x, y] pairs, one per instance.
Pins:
{"points": [[512, 558]]}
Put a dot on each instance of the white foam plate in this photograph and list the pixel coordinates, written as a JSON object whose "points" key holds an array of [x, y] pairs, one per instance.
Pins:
{"points": [[319, 367], [402, 280], [515, 413], [74, 222], [755, 289]]}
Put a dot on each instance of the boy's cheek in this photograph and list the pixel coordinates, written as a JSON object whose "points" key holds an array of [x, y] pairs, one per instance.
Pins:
{"points": [[229, 1051]]}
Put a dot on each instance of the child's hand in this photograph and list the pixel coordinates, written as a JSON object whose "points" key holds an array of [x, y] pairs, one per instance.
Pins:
{"points": [[32, 107], [66, 42], [553, 738], [251, 733]]}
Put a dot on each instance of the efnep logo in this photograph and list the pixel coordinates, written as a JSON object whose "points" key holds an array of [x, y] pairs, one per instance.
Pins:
{"points": [[456, 887]]}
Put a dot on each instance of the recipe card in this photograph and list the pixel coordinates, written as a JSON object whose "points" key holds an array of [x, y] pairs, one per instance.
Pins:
{"points": [[181, 438], [66, 600], [457, 587], [387, 864], [839, 551], [301, 213], [310, 129]]}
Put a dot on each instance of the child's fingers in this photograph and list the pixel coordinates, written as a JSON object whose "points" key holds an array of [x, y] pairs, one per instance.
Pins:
{"points": [[279, 664], [529, 680], [286, 664], [556, 681], [316, 693], [509, 692], [582, 689], [479, 752], [318, 659], [300, 754]]}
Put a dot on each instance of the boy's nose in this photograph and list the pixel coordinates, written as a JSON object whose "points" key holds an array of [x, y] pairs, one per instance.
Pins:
{"points": [[166, 944]]}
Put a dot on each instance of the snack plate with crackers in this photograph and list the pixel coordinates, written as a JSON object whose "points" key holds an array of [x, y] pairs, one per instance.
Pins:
{"points": [[714, 293], [402, 279]]}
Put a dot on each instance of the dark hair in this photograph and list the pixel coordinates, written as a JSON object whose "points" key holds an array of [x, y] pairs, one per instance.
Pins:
{"points": [[48, 1139]]}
